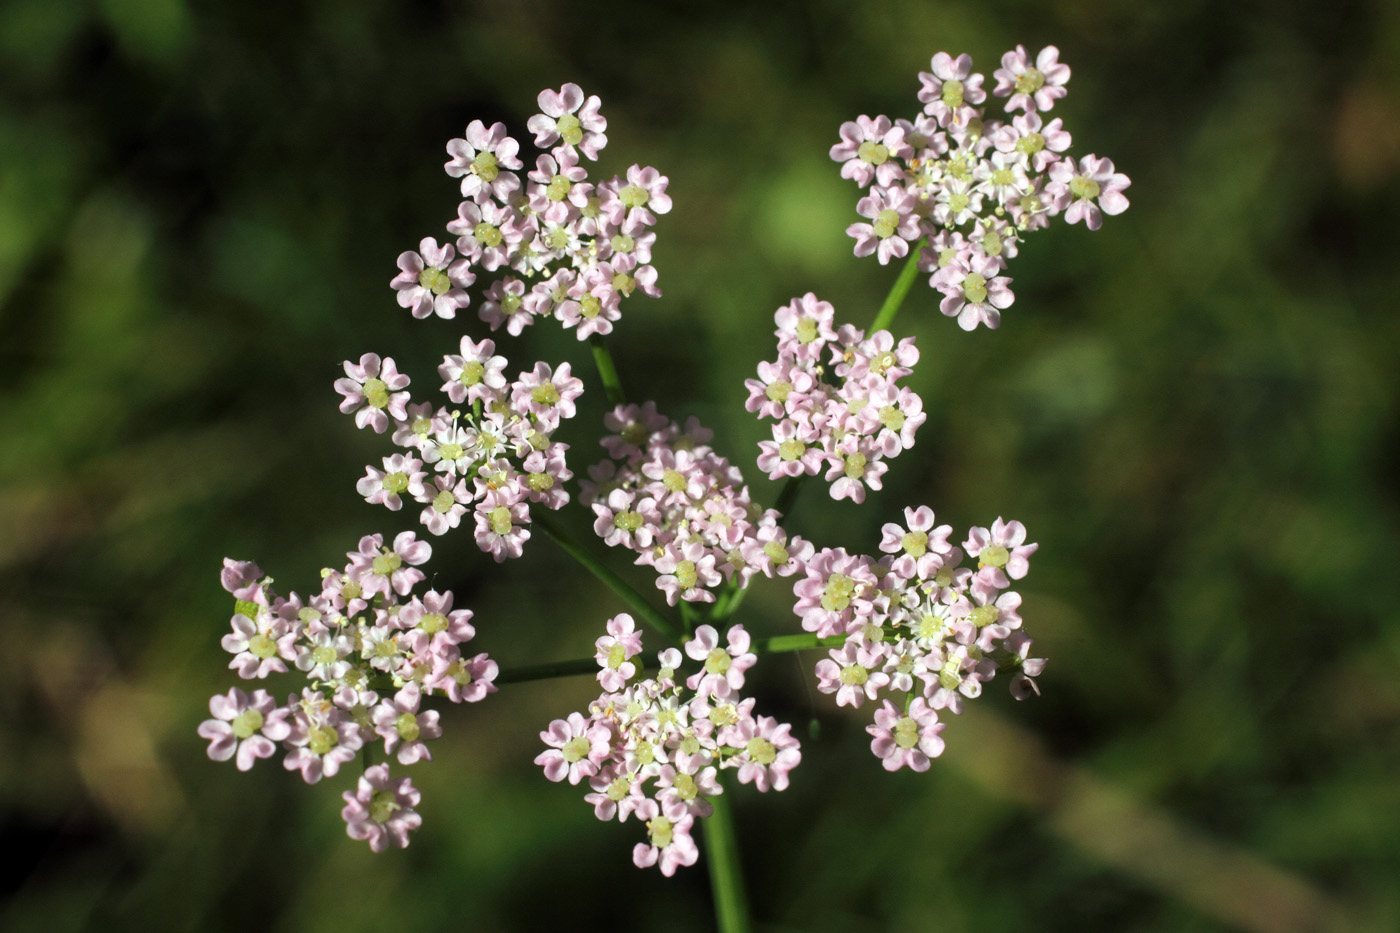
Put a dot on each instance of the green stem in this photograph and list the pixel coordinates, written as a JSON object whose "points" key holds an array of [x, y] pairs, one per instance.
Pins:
{"points": [[722, 855], [789, 494], [607, 370], [572, 668], [779, 643], [644, 610], [900, 290]]}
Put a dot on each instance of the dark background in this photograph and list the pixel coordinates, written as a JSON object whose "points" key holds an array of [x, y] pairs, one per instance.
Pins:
{"points": [[1193, 411]]}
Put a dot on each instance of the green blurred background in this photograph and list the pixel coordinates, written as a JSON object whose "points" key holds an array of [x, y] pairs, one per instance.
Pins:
{"points": [[1194, 411]]}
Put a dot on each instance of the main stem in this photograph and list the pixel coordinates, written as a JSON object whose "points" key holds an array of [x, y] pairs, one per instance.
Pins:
{"points": [[722, 856]]}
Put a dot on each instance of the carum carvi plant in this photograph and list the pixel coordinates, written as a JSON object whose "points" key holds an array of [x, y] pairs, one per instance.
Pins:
{"points": [[915, 631]]}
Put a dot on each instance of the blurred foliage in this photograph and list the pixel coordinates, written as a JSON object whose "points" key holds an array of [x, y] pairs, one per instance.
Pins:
{"points": [[1193, 410]]}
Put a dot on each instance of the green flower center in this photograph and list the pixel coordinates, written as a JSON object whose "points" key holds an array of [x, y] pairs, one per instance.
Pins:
{"points": [[570, 129], [1030, 144], [590, 307], [685, 786], [395, 483], [484, 166], [558, 188], [321, 739], [500, 520], [853, 675], [435, 281], [717, 661], [487, 234], [617, 656], [433, 622], [991, 243], [873, 152], [545, 394], [975, 288], [838, 592], [633, 196], [983, 616], [376, 393], [761, 751], [792, 449], [950, 676], [407, 726], [627, 520], [472, 371], [1030, 82], [892, 418], [958, 202], [261, 646], [624, 284], [540, 482], [806, 330], [382, 806], [776, 552], [444, 501], [686, 575], [778, 391], [1003, 177], [575, 749], [324, 654], [246, 723], [953, 93], [885, 223], [915, 543], [993, 555], [659, 831], [855, 466], [906, 733], [673, 480], [1085, 188], [386, 564], [622, 243]]}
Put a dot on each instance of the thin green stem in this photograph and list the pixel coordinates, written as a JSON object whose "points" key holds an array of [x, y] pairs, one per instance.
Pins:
{"points": [[789, 494], [900, 290], [644, 610], [779, 643], [571, 668], [607, 370], [726, 876]]}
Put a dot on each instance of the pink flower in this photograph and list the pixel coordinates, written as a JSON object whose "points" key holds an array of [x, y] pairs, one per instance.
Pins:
{"points": [[1031, 87], [577, 747], [431, 282], [1001, 552], [669, 844], [1076, 192], [501, 516], [976, 292], [724, 667], [375, 386], [401, 474], [949, 91], [570, 119], [615, 651], [401, 726], [852, 673], [869, 150], [380, 810], [768, 752], [479, 160], [906, 740], [893, 224], [477, 373], [244, 727]]}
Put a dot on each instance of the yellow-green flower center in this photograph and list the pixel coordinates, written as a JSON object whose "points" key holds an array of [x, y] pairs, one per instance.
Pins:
{"points": [[915, 543], [975, 288], [500, 520], [321, 739], [717, 661], [261, 646], [435, 281], [838, 592], [906, 733], [1030, 144], [686, 575], [487, 234], [444, 501], [246, 723], [855, 466], [873, 152], [376, 393], [778, 391], [853, 675], [570, 129], [484, 166], [633, 196], [576, 749], [761, 751], [1085, 188], [382, 806], [993, 555], [953, 93], [472, 371], [792, 449], [545, 394], [1030, 82], [395, 482], [885, 223]]}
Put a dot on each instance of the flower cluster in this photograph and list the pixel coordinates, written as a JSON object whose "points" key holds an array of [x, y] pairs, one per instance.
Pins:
{"points": [[970, 188], [844, 420], [580, 247], [496, 457], [371, 652], [921, 625], [684, 510], [654, 748]]}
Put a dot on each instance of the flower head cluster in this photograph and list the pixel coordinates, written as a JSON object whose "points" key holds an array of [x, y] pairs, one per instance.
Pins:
{"points": [[683, 508], [653, 747], [569, 247], [967, 188], [844, 417], [494, 458], [917, 623], [371, 650]]}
